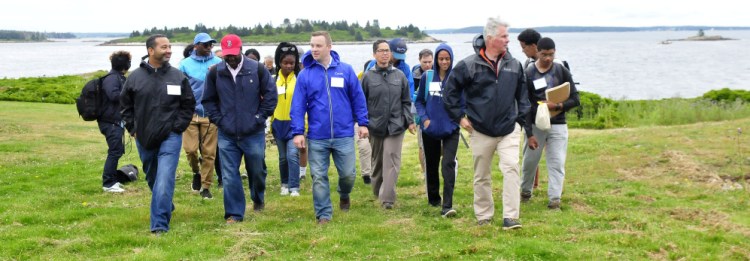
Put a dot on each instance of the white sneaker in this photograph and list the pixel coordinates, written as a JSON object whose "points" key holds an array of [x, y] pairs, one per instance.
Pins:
{"points": [[113, 189], [118, 184], [294, 194], [284, 191], [302, 171]]}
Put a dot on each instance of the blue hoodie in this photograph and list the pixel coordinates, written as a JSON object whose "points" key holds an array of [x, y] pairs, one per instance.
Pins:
{"points": [[196, 67], [430, 105], [331, 98]]}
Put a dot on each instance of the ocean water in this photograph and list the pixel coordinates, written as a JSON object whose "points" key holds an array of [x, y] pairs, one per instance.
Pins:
{"points": [[627, 65]]}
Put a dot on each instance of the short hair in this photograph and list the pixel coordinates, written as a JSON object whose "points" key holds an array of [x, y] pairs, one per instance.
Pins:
{"points": [[325, 34], [529, 36], [376, 43], [254, 52], [268, 57], [493, 23], [188, 50], [120, 60], [545, 43], [151, 41], [425, 52]]}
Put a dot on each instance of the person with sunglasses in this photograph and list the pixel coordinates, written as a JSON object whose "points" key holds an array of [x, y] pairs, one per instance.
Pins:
{"points": [[287, 60], [200, 138]]}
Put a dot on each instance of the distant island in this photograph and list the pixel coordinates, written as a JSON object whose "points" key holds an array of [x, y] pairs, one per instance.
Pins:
{"points": [[588, 29], [701, 36], [25, 36], [298, 31]]}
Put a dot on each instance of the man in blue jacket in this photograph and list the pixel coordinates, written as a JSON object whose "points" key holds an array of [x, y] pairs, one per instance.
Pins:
{"points": [[239, 96], [200, 133], [492, 84], [328, 91]]}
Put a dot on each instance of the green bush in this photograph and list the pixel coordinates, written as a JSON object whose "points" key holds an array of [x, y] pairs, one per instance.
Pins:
{"points": [[61, 89], [727, 95]]}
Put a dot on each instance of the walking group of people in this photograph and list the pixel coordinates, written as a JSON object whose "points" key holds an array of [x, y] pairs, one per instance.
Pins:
{"points": [[217, 110]]}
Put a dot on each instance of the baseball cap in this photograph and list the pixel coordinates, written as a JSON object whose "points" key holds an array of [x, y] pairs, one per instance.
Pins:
{"points": [[203, 38], [231, 44], [398, 48]]}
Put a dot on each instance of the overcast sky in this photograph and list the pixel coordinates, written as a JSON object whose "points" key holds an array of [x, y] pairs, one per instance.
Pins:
{"points": [[126, 16]]}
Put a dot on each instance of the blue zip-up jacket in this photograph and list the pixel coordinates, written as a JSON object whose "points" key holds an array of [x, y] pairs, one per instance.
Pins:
{"points": [[239, 108], [332, 99], [405, 69], [430, 105], [196, 67]]}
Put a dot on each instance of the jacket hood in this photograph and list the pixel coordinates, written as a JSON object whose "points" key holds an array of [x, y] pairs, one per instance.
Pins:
{"points": [[478, 44], [436, 66], [309, 61], [194, 55]]}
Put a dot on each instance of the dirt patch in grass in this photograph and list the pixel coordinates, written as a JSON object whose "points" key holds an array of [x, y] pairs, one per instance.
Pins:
{"points": [[708, 219], [672, 163]]}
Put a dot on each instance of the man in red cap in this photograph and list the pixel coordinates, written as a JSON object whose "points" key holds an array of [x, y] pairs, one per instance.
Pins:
{"points": [[238, 97]]}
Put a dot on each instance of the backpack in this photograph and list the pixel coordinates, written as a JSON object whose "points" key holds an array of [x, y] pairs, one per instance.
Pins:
{"points": [[89, 103]]}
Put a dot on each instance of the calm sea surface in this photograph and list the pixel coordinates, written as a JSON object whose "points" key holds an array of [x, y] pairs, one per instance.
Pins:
{"points": [[631, 65]]}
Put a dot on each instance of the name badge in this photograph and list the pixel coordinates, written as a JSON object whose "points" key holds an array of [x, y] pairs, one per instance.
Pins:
{"points": [[173, 90], [337, 82], [540, 83], [281, 90], [435, 86]]}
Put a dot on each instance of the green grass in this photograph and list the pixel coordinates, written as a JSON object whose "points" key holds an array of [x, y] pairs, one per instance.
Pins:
{"points": [[638, 193]]}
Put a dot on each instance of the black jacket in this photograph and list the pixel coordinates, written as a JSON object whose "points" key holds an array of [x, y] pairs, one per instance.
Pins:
{"points": [[388, 101], [149, 111], [557, 75], [112, 87], [494, 101]]}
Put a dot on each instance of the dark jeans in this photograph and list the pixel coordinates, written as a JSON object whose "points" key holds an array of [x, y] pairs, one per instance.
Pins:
{"points": [[433, 148], [113, 133]]}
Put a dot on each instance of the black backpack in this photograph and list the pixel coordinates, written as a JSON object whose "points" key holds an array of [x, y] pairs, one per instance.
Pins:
{"points": [[89, 103]]}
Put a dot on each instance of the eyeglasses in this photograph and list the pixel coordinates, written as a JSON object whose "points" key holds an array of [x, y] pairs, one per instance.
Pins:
{"points": [[207, 45], [288, 48], [383, 51]]}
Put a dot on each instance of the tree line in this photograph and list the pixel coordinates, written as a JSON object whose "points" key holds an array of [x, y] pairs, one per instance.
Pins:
{"points": [[287, 27], [31, 36]]}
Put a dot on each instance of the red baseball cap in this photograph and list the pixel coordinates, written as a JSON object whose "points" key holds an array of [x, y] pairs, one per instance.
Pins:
{"points": [[231, 44]]}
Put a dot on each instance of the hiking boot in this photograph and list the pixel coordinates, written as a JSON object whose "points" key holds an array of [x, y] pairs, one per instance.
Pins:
{"points": [[258, 207], [484, 222], [113, 189], [345, 204], [196, 182], [323, 221], [525, 196], [511, 223], [206, 194], [387, 205], [554, 204], [366, 179], [447, 213]]}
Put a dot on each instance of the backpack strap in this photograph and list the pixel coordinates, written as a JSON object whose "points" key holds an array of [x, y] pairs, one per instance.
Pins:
{"points": [[429, 74]]}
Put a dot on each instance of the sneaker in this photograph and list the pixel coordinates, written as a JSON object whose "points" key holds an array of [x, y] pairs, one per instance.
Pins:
{"points": [[294, 194], [323, 221], [113, 189], [525, 196], [158, 233], [511, 223], [206, 194], [284, 190], [302, 171], [554, 204], [243, 175], [196, 182], [258, 207], [345, 204], [119, 185], [231, 221], [366, 179], [387, 205], [484, 222], [449, 213]]}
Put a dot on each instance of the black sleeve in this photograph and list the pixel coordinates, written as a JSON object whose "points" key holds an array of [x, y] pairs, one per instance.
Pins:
{"points": [[186, 108]]}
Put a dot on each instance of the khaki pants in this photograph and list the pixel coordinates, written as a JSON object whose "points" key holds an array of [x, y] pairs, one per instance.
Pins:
{"points": [[201, 132], [483, 147], [386, 161]]}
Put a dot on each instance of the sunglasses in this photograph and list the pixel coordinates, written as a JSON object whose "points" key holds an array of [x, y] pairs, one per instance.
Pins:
{"points": [[207, 45], [288, 48]]}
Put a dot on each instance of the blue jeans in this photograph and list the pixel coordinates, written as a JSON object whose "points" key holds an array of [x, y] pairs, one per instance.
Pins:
{"points": [[232, 149], [113, 134], [160, 166], [319, 152], [288, 163]]}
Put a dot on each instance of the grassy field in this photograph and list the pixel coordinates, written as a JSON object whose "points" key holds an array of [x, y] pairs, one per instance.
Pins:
{"points": [[677, 192]]}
